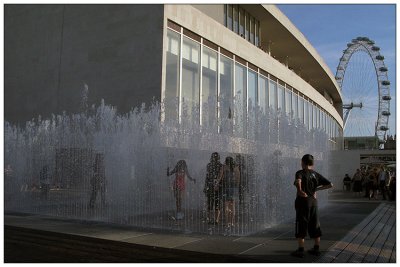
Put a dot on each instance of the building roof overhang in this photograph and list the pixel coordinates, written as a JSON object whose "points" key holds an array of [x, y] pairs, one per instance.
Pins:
{"points": [[289, 45]]}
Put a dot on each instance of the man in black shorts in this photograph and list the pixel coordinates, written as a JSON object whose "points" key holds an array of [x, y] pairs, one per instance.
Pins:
{"points": [[307, 182]]}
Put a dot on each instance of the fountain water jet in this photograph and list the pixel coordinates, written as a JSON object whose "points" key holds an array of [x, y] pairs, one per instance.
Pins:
{"points": [[138, 147]]}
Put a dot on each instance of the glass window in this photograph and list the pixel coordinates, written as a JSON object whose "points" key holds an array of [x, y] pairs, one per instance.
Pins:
{"points": [[252, 30], [301, 109], [326, 124], [230, 19], [235, 19], [328, 127], [226, 94], [240, 100], [252, 102], [263, 94], [311, 115], [241, 22], [171, 101], [294, 105], [273, 95], [190, 81], [257, 33], [315, 117], [247, 26], [288, 101], [281, 98], [321, 119], [209, 89], [226, 15], [253, 82], [306, 114], [337, 130]]}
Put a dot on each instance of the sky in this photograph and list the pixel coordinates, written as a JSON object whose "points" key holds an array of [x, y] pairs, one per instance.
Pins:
{"points": [[329, 27]]}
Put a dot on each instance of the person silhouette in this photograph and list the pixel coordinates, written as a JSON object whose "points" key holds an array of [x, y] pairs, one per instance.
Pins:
{"points": [[181, 171]]}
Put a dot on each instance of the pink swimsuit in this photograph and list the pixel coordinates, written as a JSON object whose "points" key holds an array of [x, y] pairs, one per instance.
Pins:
{"points": [[180, 181]]}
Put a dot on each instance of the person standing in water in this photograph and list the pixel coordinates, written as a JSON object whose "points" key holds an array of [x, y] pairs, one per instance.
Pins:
{"points": [[212, 196], [307, 182], [98, 181], [229, 179], [180, 171]]}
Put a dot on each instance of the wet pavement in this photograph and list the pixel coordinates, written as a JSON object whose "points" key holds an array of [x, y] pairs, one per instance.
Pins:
{"points": [[346, 221]]}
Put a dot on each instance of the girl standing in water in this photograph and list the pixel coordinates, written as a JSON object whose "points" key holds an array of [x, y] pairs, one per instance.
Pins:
{"points": [[180, 171], [229, 178]]}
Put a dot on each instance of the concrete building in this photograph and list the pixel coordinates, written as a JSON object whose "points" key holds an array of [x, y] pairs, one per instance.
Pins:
{"points": [[237, 79], [202, 55]]}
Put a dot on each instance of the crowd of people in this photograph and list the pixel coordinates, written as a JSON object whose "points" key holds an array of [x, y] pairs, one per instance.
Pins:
{"points": [[373, 181]]}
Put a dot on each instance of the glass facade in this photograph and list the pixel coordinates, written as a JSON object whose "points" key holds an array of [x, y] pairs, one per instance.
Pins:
{"points": [[281, 98], [288, 102], [247, 23], [301, 110], [252, 30], [241, 22], [171, 101], [257, 33], [229, 17], [226, 94], [252, 103], [273, 95], [240, 100], [294, 106], [263, 94], [207, 86], [190, 96], [235, 18]]}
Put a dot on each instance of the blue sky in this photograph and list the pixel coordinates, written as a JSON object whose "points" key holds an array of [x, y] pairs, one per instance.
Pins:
{"points": [[329, 27]]}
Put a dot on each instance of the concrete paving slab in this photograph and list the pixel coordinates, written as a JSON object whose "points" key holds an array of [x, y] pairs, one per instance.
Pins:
{"points": [[221, 245], [118, 235], [162, 240]]}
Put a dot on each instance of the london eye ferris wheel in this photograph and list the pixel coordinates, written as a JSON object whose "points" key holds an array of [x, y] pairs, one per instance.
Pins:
{"points": [[362, 77]]}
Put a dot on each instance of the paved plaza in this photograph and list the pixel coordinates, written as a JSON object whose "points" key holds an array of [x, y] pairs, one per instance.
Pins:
{"points": [[354, 229]]}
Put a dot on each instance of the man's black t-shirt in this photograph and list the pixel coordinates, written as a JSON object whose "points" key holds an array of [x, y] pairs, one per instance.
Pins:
{"points": [[310, 180]]}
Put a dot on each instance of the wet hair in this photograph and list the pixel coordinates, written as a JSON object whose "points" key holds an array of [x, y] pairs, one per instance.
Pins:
{"points": [[230, 163], [308, 160], [215, 157], [181, 165]]}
